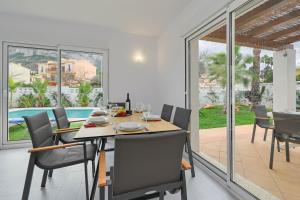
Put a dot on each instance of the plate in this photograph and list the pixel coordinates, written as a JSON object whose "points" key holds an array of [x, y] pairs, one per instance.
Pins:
{"points": [[130, 126], [98, 120]]}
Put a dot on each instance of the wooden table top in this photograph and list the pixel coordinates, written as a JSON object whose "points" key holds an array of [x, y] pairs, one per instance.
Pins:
{"points": [[108, 131]]}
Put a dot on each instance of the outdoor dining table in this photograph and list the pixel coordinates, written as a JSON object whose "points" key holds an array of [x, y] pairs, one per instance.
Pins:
{"points": [[104, 132]]}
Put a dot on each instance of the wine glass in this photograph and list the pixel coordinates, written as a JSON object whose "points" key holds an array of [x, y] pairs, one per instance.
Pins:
{"points": [[146, 113]]}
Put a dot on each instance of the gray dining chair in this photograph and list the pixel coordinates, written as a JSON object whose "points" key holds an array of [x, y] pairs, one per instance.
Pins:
{"points": [[166, 112], [63, 123], [48, 156], [66, 134], [262, 120], [145, 163], [287, 129], [182, 120]]}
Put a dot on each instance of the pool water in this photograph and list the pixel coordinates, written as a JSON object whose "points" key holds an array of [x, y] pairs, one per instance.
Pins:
{"points": [[71, 112]]}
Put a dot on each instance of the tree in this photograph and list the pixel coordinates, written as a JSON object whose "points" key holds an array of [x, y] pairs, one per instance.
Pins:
{"points": [[255, 94], [217, 69], [267, 73], [65, 101], [85, 89], [40, 88], [26, 101], [12, 85]]}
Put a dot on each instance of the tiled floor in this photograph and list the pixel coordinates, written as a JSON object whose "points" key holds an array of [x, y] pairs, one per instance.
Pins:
{"points": [[68, 183], [252, 160]]}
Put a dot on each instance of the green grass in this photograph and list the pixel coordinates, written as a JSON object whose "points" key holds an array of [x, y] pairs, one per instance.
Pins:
{"points": [[209, 118], [215, 117], [17, 132]]}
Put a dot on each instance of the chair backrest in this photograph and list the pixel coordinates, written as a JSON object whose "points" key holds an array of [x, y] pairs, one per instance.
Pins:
{"points": [[287, 124], [61, 117], [148, 160], [182, 118], [40, 129], [260, 114], [166, 112]]}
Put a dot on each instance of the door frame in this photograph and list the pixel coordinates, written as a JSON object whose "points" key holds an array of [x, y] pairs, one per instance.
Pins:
{"points": [[227, 13]]}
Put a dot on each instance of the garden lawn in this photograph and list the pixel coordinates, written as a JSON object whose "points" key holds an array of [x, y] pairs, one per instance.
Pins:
{"points": [[17, 132], [215, 117]]}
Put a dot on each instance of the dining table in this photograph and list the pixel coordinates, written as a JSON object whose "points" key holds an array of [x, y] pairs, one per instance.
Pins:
{"points": [[109, 130]]}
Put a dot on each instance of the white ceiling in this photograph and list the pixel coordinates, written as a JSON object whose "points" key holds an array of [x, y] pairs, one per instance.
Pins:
{"points": [[144, 17]]}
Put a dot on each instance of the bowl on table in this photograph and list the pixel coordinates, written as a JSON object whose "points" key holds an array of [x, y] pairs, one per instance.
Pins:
{"points": [[130, 126], [98, 120]]}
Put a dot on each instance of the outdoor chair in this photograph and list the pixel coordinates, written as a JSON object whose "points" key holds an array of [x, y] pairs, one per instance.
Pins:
{"points": [[143, 164], [182, 120], [287, 129], [67, 134], [48, 156], [262, 120], [166, 112]]}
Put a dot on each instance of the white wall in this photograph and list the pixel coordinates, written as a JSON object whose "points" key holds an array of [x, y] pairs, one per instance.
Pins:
{"points": [[284, 81], [171, 63], [124, 74]]}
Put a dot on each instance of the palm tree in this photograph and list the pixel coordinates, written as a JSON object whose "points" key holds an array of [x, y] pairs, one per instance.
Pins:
{"points": [[217, 69], [12, 85], [85, 89], [40, 88]]}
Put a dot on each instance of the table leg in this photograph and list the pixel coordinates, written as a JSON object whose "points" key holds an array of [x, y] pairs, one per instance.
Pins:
{"points": [[92, 196]]}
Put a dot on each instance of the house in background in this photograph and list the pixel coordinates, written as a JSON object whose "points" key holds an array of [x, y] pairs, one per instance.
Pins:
{"points": [[73, 72], [19, 73]]}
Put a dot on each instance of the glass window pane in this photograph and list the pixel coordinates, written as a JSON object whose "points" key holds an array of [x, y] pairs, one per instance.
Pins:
{"points": [[208, 55], [81, 81], [267, 44], [32, 86]]}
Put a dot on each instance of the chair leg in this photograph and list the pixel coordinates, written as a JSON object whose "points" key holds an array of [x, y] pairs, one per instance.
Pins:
{"points": [[278, 146], [28, 179], [287, 151], [56, 141], [102, 193], [86, 172], [265, 136], [44, 179], [183, 187], [161, 195], [253, 133], [50, 173], [93, 167], [188, 144], [272, 152]]}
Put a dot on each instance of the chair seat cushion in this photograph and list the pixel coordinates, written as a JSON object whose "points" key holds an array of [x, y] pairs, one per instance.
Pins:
{"points": [[64, 157], [68, 137], [265, 124]]}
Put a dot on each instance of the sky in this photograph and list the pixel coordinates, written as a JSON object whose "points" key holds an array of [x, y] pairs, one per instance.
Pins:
{"points": [[214, 47]]}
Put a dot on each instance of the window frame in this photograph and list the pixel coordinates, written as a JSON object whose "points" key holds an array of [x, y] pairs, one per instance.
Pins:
{"points": [[4, 73]]}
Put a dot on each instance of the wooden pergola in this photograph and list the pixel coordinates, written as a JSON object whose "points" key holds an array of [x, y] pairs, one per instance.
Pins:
{"points": [[273, 25]]}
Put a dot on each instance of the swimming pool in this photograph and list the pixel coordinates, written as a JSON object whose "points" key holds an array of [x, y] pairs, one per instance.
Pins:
{"points": [[71, 112]]}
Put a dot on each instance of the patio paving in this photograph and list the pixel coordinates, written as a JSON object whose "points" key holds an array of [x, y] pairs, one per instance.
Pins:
{"points": [[252, 160]]}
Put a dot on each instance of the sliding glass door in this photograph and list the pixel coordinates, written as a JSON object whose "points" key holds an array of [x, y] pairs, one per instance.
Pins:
{"points": [[36, 78], [28, 87], [251, 62]]}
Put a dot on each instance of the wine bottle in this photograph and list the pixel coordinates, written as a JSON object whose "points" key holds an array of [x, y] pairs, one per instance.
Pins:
{"points": [[128, 104]]}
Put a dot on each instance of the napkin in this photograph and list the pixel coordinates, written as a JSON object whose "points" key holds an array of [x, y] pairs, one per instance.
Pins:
{"points": [[90, 125]]}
